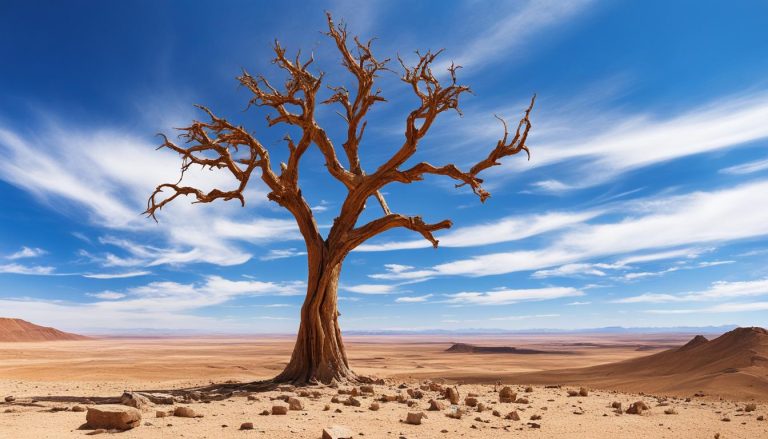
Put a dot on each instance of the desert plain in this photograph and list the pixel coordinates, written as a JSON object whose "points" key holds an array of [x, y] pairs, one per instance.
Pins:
{"points": [[542, 370]]}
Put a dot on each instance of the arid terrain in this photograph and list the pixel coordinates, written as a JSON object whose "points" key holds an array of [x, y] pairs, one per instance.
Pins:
{"points": [[646, 365]]}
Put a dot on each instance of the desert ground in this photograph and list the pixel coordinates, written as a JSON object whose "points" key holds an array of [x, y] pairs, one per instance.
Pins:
{"points": [[416, 367]]}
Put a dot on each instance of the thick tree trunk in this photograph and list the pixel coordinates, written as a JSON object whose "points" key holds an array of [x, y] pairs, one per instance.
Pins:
{"points": [[319, 355]]}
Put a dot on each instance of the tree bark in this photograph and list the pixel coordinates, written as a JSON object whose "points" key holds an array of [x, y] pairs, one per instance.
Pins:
{"points": [[319, 355]]}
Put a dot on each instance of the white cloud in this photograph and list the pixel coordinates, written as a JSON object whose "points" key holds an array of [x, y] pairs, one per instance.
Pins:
{"points": [[577, 303], [507, 296], [282, 254], [721, 308], [107, 295], [747, 168], [506, 229], [570, 270], [25, 269], [413, 299], [116, 275], [687, 220], [26, 252], [718, 290], [371, 288]]}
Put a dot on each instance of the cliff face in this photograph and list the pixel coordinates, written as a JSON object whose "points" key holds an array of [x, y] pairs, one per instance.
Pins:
{"points": [[17, 330]]}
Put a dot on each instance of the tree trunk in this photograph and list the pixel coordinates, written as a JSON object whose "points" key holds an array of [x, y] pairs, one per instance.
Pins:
{"points": [[319, 355]]}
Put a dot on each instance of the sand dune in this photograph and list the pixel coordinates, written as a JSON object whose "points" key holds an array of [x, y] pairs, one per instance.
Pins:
{"points": [[17, 330], [733, 365]]}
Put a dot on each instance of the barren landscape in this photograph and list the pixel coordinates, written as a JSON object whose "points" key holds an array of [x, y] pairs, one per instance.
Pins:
{"points": [[417, 370]]}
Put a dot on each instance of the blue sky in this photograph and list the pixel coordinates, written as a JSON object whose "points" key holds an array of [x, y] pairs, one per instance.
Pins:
{"points": [[645, 202]]}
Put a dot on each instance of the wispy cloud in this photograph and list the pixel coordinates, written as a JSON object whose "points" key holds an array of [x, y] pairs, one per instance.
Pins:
{"points": [[413, 299], [685, 220], [274, 254], [27, 269], [507, 296], [116, 275], [747, 168], [717, 291], [26, 252]]}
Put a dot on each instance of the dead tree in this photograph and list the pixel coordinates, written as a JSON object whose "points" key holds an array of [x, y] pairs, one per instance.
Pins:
{"points": [[319, 355]]}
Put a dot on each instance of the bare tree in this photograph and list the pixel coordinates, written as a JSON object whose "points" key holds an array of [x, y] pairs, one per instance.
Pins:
{"points": [[319, 354]]}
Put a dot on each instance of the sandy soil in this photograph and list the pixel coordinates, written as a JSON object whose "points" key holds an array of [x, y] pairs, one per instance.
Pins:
{"points": [[106, 367]]}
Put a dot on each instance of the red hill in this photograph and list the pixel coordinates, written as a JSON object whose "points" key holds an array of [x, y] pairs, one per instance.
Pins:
{"points": [[17, 330]]}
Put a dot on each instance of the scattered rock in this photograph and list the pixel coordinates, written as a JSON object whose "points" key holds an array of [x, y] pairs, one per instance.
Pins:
{"points": [[252, 398], [573, 393], [480, 407], [496, 413], [352, 401], [337, 432], [415, 393], [726, 419], [10, 399], [135, 400], [522, 401], [616, 405], [414, 418], [118, 417], [436, 406], [78, 408], [185, 412], [374, 406], [670, 411], [583, 392], [452, 394], [761, 418], [265, 413], [470, 401], [535, 417], [246, 426], [637, 408], [455, 413], [161, 414], [528, 389], [751, 407], [507, 395], [279, 409], [512, 416], [295, 404], [367, 389], [534, 425]]}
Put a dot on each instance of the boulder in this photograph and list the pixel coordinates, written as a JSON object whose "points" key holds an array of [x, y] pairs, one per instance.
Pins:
{"points": [[246, 426], [480, 407], [415, 393], [295, 404], [117, 417], [583, 392], [185, 412], [414, 418], [506, 394], [374, 406], [366, 389], [10, 399], [455, 413], [637, 408], [452, 394], [352, 401], [470, 401], [513, 416], [337, 432], [751, 407], [135, 400], [78, 408], [522, 401], [279, 409], [436, 406]]}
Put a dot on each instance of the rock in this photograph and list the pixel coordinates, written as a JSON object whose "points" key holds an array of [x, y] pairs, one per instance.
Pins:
{"points": [[335, 400], [279, 409], [352, 401], [726, 419], [337, 432], [118, 417], [507, 395], [295, 404], [452, 394], [573, 393], [78, 408], [415, 393], [583, 392], [455, 413], [534, 425], [10, 399], [470, 401], [252, 398], [670, 411], [414, 418], [751, 407], [761, 418], [435, 387], [135, 400], [374, 406], [161, 414], [59, 409], [355, 391], [616, 405], [185, 412], [528, 389], [436, 406], [637, 408], [512, 416], [480, 407], [522, 401], [367, 389], [496, 413], [535, 417], [264, 413], [388, 398], [246, 426]]}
